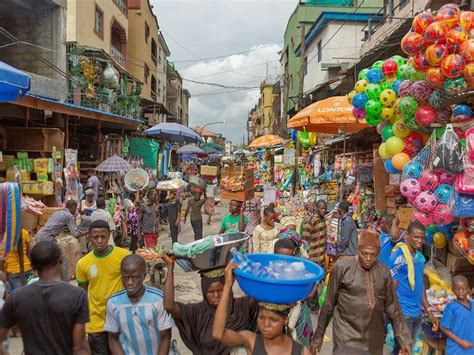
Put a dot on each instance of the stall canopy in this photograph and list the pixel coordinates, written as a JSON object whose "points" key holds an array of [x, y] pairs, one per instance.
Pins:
{"points": [[189, 149], [268, 140], [174, 132], [12, 83], [332, 115], [114, 164], [213, 146]]}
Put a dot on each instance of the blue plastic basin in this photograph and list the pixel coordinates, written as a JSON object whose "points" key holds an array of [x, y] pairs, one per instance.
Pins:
{"points": [[278, 291]]}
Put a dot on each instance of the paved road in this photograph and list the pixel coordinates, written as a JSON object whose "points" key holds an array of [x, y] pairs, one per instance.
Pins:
{"points": [[187, 284]]}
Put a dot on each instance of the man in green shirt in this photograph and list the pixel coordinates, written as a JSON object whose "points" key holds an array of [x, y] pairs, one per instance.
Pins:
{"points": [[235, 221]]}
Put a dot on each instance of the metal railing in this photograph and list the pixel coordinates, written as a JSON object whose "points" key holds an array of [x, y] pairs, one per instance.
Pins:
{"points": [[117, 55], [385, 14]]}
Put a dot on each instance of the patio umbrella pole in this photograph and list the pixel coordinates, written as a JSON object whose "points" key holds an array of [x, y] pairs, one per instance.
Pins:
{"points": [[341, 189]]}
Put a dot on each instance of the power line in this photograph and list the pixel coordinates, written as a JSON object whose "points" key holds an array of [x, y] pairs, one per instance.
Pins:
{"points": [[233, 70], [220, 85]]}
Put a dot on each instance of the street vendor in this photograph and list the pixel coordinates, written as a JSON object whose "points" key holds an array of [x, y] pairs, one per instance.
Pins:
{"points": [[272, 322], [55, 224], [93, 182], [88, 205], [194, 321], [147, 219], [235, 221], [314, 231]]}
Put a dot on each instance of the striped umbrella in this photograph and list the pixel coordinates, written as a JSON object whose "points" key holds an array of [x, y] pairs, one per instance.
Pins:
{"points": [[114, 164]]}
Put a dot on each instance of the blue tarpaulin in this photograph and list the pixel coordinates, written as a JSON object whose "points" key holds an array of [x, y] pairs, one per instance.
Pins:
{"points": [[12, 83]]}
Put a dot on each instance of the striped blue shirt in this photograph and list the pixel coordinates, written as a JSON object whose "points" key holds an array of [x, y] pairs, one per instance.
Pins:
{"points": [[139, 324]]}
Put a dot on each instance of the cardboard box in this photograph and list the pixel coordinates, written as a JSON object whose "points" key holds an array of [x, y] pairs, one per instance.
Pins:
{"points": [[391, 202], [391, 210], [381, 179], [28, 221], [392, 191], [404, 217], [237, 196], [209, 170], [395, 179], [46, 213], [458, 263], [246, 173]]}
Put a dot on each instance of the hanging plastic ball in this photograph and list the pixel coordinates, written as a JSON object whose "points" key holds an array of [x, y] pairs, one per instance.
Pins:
{"points": [[466, 20], [468, 75], [444, 193], [453, 66], [447, 178], [408, 106], [455, 86], [373, 120], [412, 43], [396, 85], [467, 50], [389, 68], [421, 64], [303, 139], [387, 97], [400, 160], [420, 90], [363, 74], [418, 75], [450, 6], [415, 139], [359, 113], [381, 126], [387, 113], [394, 145], [293, 135], [439, 240], [378, 64], [384, 154], [387, 132], [359, 100], [410, 188], [425, 201], [399, 129], [374, 76], [412, 170], [443, 115], [435, 78], [404, 88], [350, 96], [435, 53], [436, 99], [455, 38], [429, 180], [312, 138], [462, 110], [422, 217], [422, 21], [448, 16], [442, 214], [373, 108], [436, 32], [398, 59], [425, 115], [389, 167], [360, 86], [373, 91]]}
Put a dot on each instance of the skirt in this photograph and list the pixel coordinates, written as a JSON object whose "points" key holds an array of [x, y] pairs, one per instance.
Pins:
{"points": [[210, 206]]}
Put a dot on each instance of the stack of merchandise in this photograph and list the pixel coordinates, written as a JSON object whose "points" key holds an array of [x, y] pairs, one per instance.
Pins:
{"points": [[237, 183]]}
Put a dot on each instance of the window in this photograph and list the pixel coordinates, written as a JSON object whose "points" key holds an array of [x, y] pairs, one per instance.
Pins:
{"points": [[305, 65], [153, 87], [153, 50], [320, 51], [122, 5], [147, 32], [99, 22], [159, 55], [146, 72], [159, 88]]}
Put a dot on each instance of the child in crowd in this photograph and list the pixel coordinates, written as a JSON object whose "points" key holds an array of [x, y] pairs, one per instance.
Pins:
{"points": [[389, 237], [265, 233], [458, 320]]}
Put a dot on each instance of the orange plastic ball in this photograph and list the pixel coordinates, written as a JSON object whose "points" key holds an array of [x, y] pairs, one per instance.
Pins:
{"points": [[466, 20], [448, 15], [469, 75], [435, 53], [467, 50], [455, 38], [422, 21], [453, 66], [436, 32], [412, 43], [434, 77], [399, 160]]}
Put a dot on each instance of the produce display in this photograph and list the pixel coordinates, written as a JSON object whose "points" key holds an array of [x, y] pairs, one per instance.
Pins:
{"points": [[150, 254], [232, 183]]}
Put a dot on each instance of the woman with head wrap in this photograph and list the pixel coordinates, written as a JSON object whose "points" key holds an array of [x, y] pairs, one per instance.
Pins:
{"points": [[272, 322], [194, 321]]}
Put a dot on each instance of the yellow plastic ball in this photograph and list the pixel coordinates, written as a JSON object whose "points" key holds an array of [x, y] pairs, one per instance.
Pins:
{"points": [[360, 86]]}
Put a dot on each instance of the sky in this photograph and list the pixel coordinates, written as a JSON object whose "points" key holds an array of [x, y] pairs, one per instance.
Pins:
{"points": [[200, 29]]}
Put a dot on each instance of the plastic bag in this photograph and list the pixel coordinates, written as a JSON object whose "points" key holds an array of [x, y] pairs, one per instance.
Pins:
{"points": [[448, 155], [465, 181], [470, 143], [463, 206]]}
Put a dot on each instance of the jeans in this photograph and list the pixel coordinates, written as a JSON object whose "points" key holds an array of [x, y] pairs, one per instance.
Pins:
{"points": [[99, 343], [414, 325], [197, 228], [14, 280]]}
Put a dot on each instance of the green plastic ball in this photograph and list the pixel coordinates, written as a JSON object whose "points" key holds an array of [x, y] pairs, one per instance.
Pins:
{"points": [[407, 106], [373, 91], [378, 64], [399, 60], [387, 132], [362, 74], [373, 108]]}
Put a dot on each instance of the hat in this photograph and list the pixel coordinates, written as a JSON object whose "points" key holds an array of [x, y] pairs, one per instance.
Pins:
{"points": [[89, 192], [369, 239]]}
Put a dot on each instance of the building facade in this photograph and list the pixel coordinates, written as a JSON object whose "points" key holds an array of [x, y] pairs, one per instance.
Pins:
{"points": [[265, 109], [41, 25]]}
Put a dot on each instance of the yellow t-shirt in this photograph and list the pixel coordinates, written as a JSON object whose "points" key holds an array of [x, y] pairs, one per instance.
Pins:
{"points": [[102, 274], [12, 260]]}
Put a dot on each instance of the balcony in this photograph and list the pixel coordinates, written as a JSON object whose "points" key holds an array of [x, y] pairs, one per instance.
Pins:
{"points": [[117, 56]]}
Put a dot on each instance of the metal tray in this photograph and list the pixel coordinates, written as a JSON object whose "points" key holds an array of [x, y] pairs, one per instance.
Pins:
{"points": [[216, 257]]}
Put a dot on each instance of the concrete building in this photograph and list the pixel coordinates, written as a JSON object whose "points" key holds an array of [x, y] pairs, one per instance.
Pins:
{"points": [[177, 98], [252, 123], [41, 25], [146, 53], [265, 109], [332, 46], [185, 98]]}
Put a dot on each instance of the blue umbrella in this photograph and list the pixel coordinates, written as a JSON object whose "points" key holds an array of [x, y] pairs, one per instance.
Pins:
{"points": [[174, 132], [12, 82], [190, 149]]}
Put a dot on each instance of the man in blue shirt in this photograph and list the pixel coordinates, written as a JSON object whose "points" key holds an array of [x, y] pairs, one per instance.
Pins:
{"points": [[458, 320], [348, 238], [389, 237], [406, 266], [136, 319]]}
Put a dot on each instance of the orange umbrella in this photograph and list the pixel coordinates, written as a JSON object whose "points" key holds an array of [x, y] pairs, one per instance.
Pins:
{"points": [[267, 140], [332, 115]]}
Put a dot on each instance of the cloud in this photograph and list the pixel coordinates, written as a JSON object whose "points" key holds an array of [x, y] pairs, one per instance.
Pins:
{"points": [[207, 28]]}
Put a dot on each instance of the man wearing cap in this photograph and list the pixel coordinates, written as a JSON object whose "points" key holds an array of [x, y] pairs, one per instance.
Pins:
{"points": [[359, 292]]}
